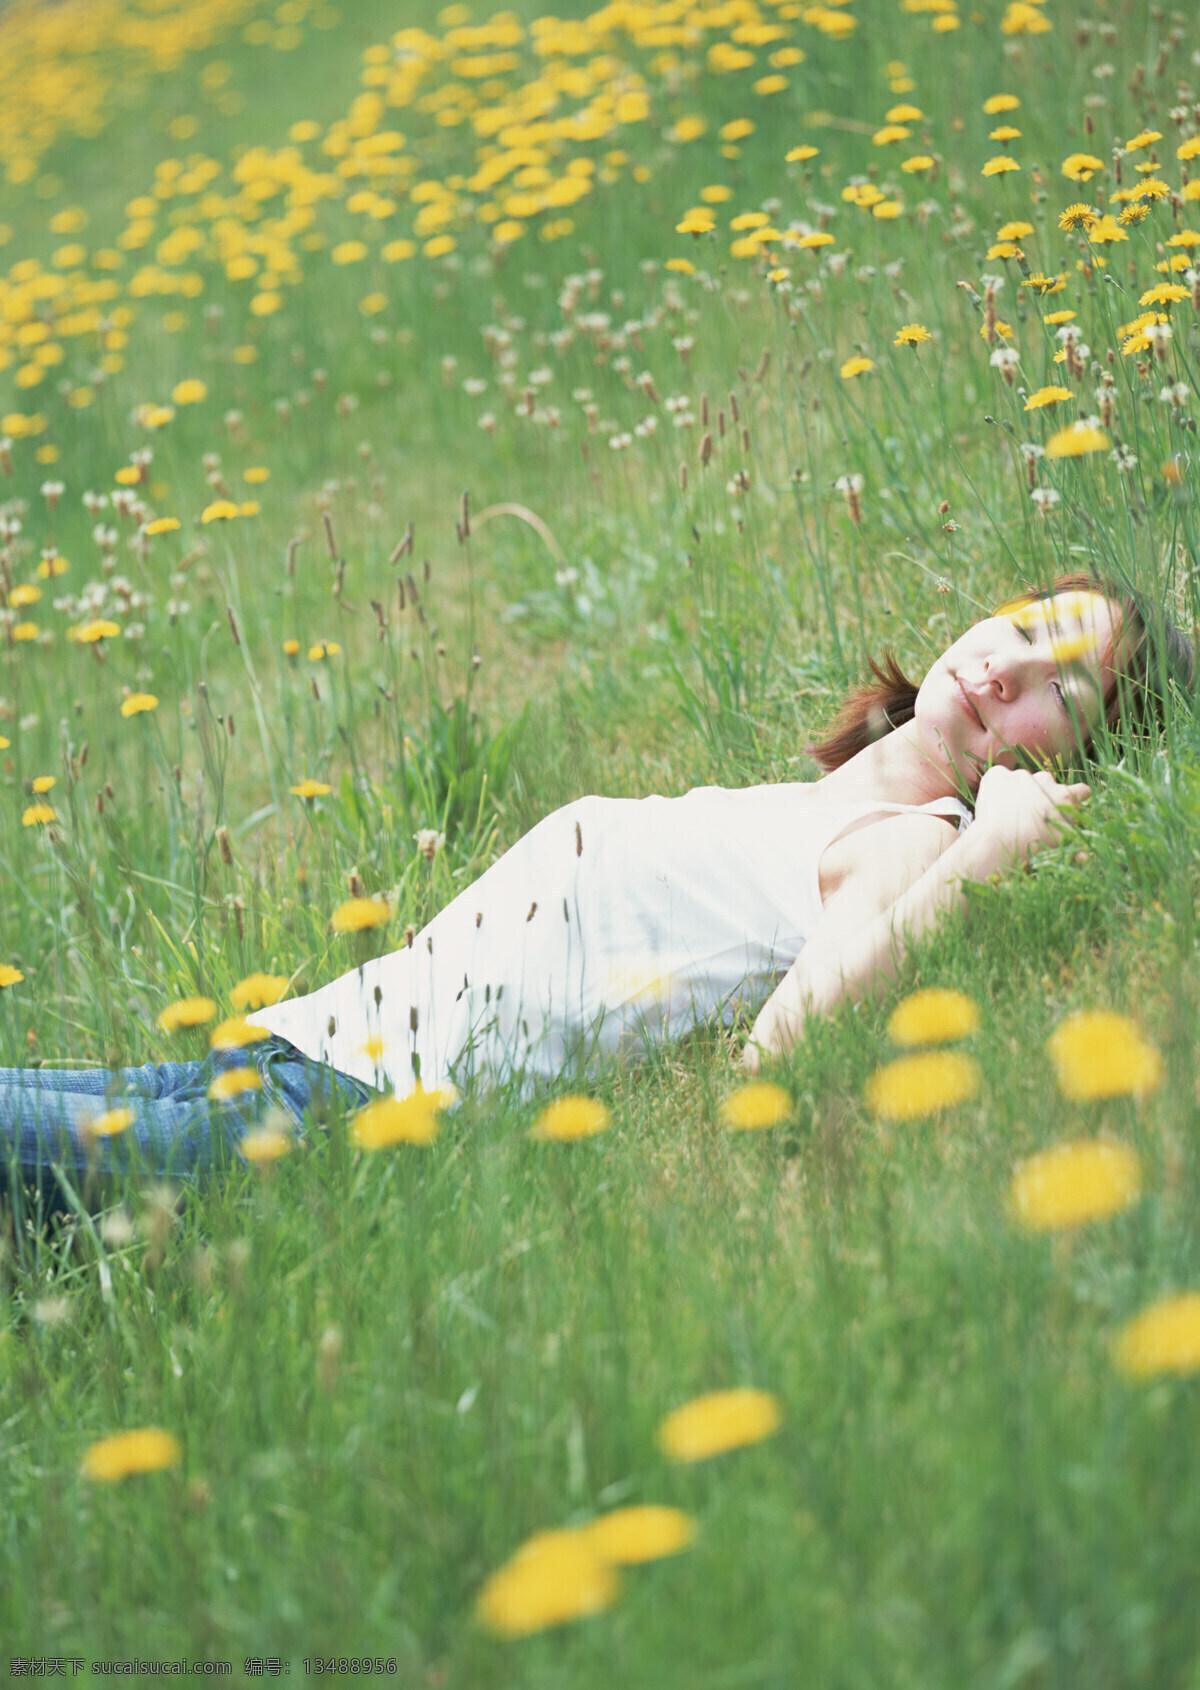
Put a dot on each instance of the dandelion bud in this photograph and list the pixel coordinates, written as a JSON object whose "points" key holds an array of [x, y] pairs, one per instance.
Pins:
{"points": [[225, 845], [329, 1355], [706, 447], [683, 478]]}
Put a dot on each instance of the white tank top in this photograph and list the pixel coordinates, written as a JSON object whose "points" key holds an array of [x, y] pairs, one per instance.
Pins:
{"points": [[613, 923]]}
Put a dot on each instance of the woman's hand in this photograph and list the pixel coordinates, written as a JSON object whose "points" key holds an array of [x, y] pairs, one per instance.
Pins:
{"points": [[1023, 811]]}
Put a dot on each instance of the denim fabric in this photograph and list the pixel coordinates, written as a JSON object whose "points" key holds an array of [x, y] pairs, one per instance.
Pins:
{"points": [[177, 1129]]}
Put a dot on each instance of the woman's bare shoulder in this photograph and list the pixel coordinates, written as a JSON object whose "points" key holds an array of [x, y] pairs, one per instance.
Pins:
{"points": [[879, 858]]}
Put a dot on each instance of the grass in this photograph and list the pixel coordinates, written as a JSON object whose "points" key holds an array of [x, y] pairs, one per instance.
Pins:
{"points": [[386, 1371]]}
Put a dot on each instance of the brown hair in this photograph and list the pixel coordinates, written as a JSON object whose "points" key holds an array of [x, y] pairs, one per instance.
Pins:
{"points": [[1152, 650]]}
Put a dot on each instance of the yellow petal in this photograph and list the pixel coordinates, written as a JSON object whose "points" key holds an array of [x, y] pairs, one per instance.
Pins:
{"points": [[720, 1421]]}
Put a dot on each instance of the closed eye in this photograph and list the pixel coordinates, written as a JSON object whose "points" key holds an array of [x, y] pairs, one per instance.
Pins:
{"points": [[1054, 686]]}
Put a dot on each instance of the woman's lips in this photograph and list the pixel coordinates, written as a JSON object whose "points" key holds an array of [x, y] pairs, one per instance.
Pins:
{"points": [[968, 701]]}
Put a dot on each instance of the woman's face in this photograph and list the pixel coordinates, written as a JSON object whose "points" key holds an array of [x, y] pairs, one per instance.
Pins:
{"points": [[1031, 679]]}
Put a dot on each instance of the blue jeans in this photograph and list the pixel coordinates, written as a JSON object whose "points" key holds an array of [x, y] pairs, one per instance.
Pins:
{"points": [[177, 1130]]}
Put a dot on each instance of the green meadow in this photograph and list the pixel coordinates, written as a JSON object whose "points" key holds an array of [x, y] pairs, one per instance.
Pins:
{"points": [[448, 414]]}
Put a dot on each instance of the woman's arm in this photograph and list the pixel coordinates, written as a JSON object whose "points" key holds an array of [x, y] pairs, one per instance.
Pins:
{"points": [[1018, 813]]}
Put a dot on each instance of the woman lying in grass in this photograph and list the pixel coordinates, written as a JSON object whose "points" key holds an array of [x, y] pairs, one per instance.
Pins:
{"points": [[617, 923]]}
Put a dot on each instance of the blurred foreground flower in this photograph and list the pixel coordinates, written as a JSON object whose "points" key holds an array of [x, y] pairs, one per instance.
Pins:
{"points": [[9, 976], [358, 913], [758, 1105], [311, 789], [258, 991], [552, 1578], [570, 1117], [266, 1144], [406, 1120], [918, 1085], [1077, 441], [235, 1032], [1098, 1053], [1075, 1183], [1164, 1338], [37, 815], [233, 1083], [110, 1123], [630, 1535], [143, 1451], [933, 1016], [188, 1012], [722, 1420]]}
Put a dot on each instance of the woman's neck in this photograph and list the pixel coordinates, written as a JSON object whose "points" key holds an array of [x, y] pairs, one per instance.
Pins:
{"points": [[899, 770]]}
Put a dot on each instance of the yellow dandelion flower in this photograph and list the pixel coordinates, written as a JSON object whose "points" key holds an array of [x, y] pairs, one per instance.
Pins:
{"points": [[737, 130], [683, 266], [919, 161], [904, 114], [43, 783], [856, 367], [889, 133], [912, 334], [103, 629], [187, 1012], [110, 1123], [1043, 396], [138, 703], [143, 1451], [234, 1082], [1104, 231], [221, 510], [698, 221], [323, 649], [24, 594], [918, 1085], [629, 1536], [258, 991], [716, 194], [256, 474], [1166, 293], [1190, 149], [809, 243], [1152, 189], [688, 129], [189, 392], [349, 252], [409, 1120], [25, 631], [720, 1421], [1145, 139], [1004, 249], [266, 1144], [291, 648], [1075, 1183], [757, 1105], [570, 1118], [236, 1032], [9, 976], [1015, 231], [1054, 318], [1098, 1053], [1164, 1338], [38, 815], [1004, 134], [311, 789], [359, 913], [933, 1016], [553, 1578], [128, 476], [1077, 441], [799, 155], [1188, 238], [999, 165], [1081, 167], [750, 220], [885, 210], [162, 525]]}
